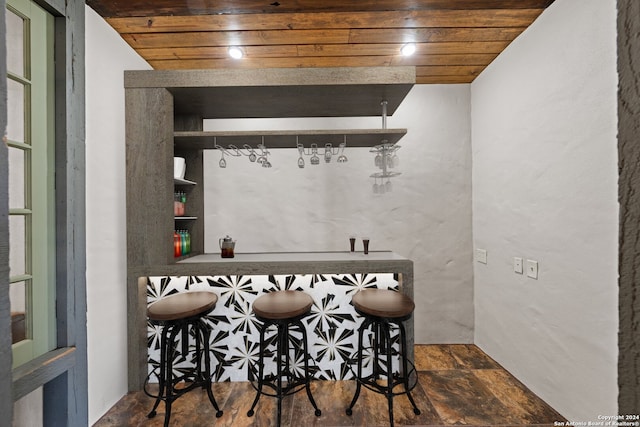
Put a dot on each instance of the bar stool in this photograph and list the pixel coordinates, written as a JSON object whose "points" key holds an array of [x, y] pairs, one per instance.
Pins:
{"points": [[383, 309], [282, 309], [179, 313]]}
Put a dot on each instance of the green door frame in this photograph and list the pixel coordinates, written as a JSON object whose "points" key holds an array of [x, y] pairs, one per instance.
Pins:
{"points": [[41, 190]]}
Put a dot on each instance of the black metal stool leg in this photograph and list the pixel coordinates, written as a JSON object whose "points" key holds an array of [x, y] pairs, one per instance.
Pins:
{"points": [[377, 346], [384, 325], [307, 378], [359, 355], [279, 370], [405, 370], [170, 395], [206, 376], [161, 375], [260, 370]]}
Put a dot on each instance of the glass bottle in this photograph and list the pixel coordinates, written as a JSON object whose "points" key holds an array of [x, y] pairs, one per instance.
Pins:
{"points": [[177, 247]]}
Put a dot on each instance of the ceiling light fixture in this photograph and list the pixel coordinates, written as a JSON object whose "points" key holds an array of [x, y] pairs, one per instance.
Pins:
{"points": [[408, 49], [235, 52]]}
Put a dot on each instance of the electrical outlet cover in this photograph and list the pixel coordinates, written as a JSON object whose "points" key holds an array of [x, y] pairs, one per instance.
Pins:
{"points": [[517, 265], [481, 256], [532, 269]]}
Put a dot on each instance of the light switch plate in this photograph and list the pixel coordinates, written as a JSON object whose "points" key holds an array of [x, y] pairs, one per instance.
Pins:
{"points": [[481, 256], [517, 265], [532, 269]]}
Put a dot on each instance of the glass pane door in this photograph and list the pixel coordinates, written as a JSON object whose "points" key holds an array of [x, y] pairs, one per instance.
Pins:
{"points": [[31, 146]]}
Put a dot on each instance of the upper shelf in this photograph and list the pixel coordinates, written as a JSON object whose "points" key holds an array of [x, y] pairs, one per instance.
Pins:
{"points": [[179, 181], [287, 138], [280, 92]]}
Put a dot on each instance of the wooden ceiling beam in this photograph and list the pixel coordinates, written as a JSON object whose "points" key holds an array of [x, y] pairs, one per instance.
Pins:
{"points": [[438, 65], [455, 70], [307, 21], [444, 79], [319, 37], [122, 8], [441, 60], [237, 38], [474, 49], [294, 62], [425, 35]]}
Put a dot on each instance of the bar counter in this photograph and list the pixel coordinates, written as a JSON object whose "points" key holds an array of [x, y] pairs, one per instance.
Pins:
{"points": [[331, 278]]}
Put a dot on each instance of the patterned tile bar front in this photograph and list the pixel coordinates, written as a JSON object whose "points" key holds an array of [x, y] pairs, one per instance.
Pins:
{"points": [[329, 277], [331, 327]]}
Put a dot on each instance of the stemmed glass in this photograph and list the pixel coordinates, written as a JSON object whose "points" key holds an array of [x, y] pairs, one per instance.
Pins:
{"points": [[315, 160]]}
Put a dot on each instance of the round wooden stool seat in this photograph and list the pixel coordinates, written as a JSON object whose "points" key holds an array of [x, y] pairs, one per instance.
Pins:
{"points": [[383, 303], [282, 305], [182, 306]]}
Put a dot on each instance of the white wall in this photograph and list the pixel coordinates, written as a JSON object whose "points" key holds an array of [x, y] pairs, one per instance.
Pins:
{"points": [[107, 55], [426, 217], [545, 188]]}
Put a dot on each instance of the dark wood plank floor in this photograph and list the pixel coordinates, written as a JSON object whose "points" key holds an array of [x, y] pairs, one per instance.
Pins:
{"points": [[459, 385]]}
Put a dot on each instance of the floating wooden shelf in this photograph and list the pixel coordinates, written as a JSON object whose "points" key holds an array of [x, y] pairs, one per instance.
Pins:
{"points": [[178, 181], [287, 138]]}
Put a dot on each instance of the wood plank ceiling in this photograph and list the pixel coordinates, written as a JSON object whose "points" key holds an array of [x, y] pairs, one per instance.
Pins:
{"points": [[455, 39]]}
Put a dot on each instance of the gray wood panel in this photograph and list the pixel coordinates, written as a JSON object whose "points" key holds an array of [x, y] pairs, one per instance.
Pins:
{"points": [[149, 157], [288, 139], [286, 92], [629, 197], [44, 368], [66, 396], [136, 330]]}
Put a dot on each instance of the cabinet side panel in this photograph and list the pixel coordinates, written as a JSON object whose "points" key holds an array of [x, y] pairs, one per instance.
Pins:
{"points": [[149, 157]]}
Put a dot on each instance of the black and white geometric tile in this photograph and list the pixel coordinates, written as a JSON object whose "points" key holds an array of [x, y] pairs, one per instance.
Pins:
{"points": [[332, 326]]}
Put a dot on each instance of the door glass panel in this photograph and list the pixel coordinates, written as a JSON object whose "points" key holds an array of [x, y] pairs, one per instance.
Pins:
{"points": [[15, 111], [17, 249], [16, 178], [15, 44], [18, 300]]}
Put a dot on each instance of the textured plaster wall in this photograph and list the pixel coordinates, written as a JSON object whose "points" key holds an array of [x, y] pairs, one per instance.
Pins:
{"points": [[629, 196], [107, 56], [545, 188], [426, 217]]}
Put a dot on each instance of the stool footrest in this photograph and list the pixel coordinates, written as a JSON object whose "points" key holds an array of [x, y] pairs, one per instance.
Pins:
{"points": [[287, 389], [372, 383]]}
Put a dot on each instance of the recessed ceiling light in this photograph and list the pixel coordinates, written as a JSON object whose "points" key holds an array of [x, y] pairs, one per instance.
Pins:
{"points": [[235, 52], [408, 49]]}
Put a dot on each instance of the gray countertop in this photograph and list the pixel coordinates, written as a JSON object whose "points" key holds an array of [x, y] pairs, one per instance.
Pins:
{"points": [[295, 257]]}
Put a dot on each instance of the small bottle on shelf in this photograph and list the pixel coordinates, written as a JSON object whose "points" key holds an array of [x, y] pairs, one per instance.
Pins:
{"points": [[177, 247], [183, 241]]}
